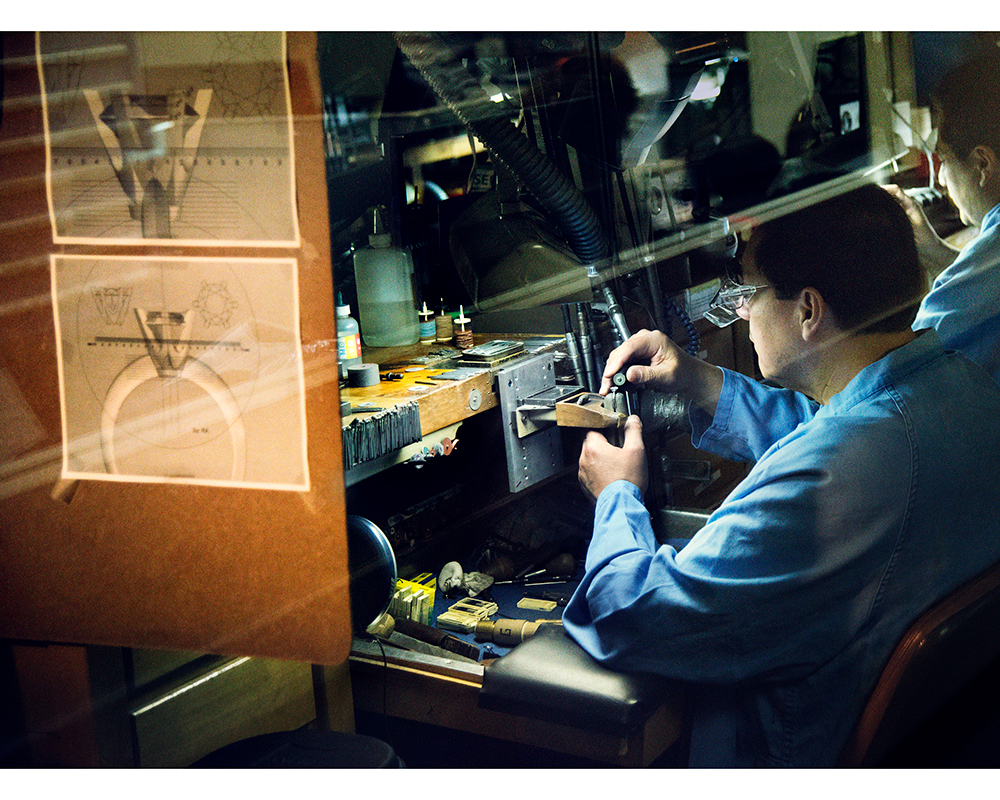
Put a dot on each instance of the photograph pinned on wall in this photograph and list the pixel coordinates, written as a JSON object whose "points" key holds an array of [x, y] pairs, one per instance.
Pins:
{"points": [[181, 370], [168, 137]]}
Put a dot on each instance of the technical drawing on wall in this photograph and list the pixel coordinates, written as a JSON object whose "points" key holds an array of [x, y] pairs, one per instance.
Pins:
{"points": [[181, 370], [174, 137]]}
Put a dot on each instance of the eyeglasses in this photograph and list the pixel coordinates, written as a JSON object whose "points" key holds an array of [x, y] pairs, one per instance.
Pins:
{"points": [[731, 298]]}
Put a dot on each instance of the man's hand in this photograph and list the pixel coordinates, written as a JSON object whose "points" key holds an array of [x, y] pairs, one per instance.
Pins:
{"points": [[601, 463], [653, 360], [934, 252]]}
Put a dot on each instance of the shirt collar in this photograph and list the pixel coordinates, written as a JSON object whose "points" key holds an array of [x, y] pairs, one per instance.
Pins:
{"points": [[992, 218], [888, 369]]}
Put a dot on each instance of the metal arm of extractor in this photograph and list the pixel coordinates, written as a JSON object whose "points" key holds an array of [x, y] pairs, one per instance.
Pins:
{"points": [[617, 316]]}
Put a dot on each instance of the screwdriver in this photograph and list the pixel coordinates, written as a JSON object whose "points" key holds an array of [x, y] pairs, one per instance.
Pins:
{"points": [[562, 566]]}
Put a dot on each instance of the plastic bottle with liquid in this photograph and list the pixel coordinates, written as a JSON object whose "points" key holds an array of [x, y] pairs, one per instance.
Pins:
{"points": [[348, 337], [386, 304]]}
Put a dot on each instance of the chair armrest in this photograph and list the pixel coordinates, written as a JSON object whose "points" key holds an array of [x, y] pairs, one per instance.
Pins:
{"points": [[550, 677]]}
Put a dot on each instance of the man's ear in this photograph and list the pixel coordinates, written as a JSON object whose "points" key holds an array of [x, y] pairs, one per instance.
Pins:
{"points": [[812, 313], [987, 161]]}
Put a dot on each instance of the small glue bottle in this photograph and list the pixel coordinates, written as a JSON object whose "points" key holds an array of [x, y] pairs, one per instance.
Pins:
{"points": [[463, 330], [348, 337], [428, 330]]}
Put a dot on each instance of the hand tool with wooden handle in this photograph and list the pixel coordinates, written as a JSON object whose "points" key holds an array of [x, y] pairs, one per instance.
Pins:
{"points": [[510, 632]]}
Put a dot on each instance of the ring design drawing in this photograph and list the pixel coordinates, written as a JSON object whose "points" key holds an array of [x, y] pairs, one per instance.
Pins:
{"points": [[168, 360], [202, 376]]}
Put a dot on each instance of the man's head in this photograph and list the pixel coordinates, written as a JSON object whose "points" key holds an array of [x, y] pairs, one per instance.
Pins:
{"points": [[857, 250], [839, 279], [966, 111]]}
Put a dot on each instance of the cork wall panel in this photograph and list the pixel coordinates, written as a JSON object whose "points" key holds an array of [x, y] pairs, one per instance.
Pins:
{"points": [[243, 571]]}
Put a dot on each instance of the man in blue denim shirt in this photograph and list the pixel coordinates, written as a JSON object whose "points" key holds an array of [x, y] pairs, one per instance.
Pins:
{"points": [[964, 302], [784, 608]]}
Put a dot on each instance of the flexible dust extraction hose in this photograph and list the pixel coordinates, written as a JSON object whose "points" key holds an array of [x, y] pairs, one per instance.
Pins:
{"points": [[556, 193]]}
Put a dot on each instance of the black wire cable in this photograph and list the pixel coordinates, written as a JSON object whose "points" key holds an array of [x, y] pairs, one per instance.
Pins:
{"points": [[385, 693]]}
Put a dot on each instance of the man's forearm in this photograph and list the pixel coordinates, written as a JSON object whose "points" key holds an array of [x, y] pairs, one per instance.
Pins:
{"points": [[702, 385]]}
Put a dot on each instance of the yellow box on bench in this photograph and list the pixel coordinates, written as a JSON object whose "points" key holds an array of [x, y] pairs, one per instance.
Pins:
{"points": [[414, 598]]}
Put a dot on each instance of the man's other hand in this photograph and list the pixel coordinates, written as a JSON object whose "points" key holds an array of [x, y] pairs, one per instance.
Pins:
{"points": [[601, 463]]}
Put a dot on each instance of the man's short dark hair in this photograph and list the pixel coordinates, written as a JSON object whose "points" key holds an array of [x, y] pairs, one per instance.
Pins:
{"points": [[965, 105], [856, 249]]}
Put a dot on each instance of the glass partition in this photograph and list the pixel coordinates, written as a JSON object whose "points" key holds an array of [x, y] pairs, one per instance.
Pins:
{"points": [[532, 168]]}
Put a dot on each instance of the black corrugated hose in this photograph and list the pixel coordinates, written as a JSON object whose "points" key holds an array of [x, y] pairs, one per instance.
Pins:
{"points": [[556, 193]]}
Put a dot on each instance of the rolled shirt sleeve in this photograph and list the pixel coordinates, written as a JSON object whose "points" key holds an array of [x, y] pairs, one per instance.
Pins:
{"points": [[764, 415]]}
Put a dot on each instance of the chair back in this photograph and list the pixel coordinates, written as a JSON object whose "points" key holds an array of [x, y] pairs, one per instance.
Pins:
{"points": [[948, 646]]}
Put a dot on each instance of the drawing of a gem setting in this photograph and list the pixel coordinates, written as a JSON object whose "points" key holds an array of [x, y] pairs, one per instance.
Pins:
{"points": [[152, 142], [168, 337]]}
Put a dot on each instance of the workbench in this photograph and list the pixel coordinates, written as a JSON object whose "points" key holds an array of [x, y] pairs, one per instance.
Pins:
{"points": [[602, 716], [446, 694], [414, 373]]}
